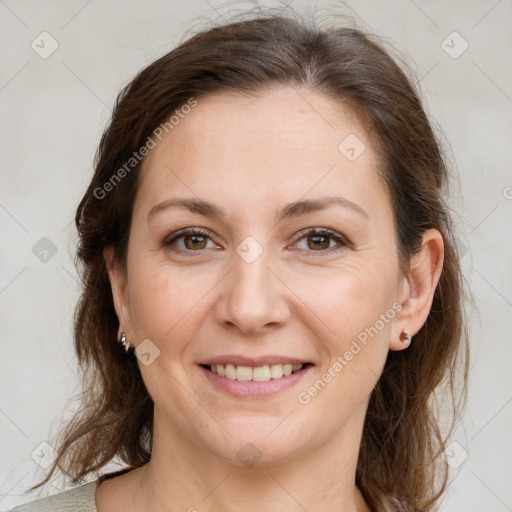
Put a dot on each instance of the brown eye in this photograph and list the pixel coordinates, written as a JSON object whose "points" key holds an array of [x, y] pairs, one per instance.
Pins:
{"points": [[189, 240], [322, 240], [195, 241], [318, 242]]}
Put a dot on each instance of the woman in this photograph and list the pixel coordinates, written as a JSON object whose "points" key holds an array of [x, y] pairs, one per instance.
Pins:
{"points": [[271, 292]]}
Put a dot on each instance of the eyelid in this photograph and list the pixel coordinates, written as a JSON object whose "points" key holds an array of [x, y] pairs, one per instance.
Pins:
{"points": [[187, 231]]}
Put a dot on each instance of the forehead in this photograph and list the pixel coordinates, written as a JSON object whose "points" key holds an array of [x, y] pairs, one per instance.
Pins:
{"points": [[283, 142]]}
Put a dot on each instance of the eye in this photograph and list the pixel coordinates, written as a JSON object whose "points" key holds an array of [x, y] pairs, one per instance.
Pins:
{"points": [[194, 240], [321, 239]]}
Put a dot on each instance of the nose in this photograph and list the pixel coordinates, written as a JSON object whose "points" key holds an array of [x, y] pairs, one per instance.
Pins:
{"points": [[254, 297]]}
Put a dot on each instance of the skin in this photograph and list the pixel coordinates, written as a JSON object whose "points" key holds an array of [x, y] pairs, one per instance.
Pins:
{"points": [[251, 156]]}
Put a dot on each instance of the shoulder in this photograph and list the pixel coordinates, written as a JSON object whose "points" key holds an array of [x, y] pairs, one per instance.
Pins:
{"points": [[80, 498]]}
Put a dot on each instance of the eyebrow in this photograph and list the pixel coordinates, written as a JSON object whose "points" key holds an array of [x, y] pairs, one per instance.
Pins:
{"points": [[294, 209]]}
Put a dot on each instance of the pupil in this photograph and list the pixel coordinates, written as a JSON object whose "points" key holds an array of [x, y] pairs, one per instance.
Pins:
{"points": [[319, 245], [194, 239]]}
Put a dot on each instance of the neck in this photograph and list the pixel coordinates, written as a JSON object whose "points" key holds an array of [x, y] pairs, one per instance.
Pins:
{"points": [[185, 476]]}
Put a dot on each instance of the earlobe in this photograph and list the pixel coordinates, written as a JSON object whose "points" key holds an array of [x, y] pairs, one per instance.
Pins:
{"points": [[118, 285], [418, 289]]}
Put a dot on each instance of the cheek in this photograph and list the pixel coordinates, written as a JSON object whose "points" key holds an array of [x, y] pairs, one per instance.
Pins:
{"points": [[354, 355], [163, 302], [352, 308], [347, 299]]}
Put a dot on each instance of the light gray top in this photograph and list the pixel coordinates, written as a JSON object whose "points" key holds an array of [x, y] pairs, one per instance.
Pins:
{"points": [[78, 499], [81, 499]]}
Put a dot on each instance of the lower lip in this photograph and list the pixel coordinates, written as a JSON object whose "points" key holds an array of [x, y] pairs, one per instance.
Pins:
{"points": [[251, 388]]}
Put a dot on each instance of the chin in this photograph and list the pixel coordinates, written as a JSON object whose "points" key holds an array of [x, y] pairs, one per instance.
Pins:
{"points": [[261, 442]]}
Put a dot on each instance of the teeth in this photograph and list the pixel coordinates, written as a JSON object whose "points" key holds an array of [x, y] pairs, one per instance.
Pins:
{"points": [[243, 373], [276, 371], [231, 371], [258, 373], [261, 373]]}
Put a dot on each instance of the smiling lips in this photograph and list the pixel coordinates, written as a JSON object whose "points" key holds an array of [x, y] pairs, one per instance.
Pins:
{"points": [[254, 377], [256, 373]]}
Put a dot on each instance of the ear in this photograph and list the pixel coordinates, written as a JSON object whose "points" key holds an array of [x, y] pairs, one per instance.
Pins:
{"points": [[118, 283], [417, 288]]}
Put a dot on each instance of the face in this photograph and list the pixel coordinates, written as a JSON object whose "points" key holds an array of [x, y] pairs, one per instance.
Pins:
{"points": [[289, 258]]}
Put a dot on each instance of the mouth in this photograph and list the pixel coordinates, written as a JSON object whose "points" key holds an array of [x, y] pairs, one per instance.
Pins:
{"points": [[260, 378], [255, 373]]}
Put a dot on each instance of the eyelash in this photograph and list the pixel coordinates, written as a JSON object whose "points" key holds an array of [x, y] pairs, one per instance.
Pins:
{"points": [[303, 234]]}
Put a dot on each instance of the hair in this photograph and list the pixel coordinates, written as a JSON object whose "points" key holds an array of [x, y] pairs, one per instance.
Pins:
{"points": [[400, 454]]}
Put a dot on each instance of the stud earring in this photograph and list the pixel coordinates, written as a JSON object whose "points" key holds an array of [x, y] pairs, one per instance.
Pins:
{"points": [[124, 342], [405, 336]]}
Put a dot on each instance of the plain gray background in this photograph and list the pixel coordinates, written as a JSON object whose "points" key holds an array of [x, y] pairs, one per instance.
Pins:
{"points": [[53, 110]]}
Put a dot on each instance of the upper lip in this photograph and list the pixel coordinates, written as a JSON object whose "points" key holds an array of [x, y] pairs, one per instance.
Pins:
{"points": [[253, 361]]}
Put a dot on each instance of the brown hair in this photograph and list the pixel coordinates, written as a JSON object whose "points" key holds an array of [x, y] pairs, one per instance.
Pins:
{"points": [[399, 456]]}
